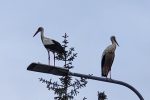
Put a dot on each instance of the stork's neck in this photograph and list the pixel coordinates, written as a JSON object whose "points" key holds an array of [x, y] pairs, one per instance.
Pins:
{"points": [[114, 45], [42, 35], [113, 42]]}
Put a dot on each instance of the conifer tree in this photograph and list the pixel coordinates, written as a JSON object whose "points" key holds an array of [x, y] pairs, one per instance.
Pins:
{"points": [[67, 87], [102, 96]]}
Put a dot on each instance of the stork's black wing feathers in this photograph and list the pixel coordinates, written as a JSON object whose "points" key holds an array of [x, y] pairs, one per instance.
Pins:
{"points": [[102, 65], [60, 49], [57, 43]]}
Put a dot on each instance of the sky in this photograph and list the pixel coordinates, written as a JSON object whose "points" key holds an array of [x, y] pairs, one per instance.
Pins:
{"points": [[89, 24]]}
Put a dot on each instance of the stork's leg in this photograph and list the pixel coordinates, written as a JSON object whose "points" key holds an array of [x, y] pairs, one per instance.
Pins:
{"points": [[54, 59], [48, 57], [110, 74]]}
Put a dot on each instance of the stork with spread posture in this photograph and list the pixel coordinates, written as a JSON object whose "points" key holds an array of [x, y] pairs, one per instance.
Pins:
{"points": [[108, 57], [50, 45]]}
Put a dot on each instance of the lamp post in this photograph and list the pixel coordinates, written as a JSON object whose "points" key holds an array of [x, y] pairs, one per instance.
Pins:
{"points": [[59, 71]]}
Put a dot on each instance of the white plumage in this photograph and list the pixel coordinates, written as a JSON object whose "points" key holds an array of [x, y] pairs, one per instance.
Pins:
{"points": [[47, 41]]}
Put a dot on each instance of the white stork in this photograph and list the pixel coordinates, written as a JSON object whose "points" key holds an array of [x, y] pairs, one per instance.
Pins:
{"points": [[50, 45], [108, 57]]}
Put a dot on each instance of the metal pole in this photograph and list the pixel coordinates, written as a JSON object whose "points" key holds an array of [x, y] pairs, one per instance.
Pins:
{"points": [[108, 80]]}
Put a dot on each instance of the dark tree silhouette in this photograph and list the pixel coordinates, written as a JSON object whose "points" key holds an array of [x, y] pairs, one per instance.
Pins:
{"points": [[67, 87], [102, 96]]}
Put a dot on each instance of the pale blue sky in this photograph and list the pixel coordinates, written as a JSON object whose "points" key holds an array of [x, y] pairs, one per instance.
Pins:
{"points": [[89, 23]]}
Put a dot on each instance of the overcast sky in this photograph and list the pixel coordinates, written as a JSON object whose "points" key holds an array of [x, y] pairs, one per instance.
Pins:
{"points": [[89, 24]]}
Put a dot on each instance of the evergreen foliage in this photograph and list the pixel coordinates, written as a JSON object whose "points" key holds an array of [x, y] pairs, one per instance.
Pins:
{"points": [[67, 87], [102, 96]]}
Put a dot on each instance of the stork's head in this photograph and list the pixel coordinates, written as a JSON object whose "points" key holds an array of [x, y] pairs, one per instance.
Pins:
{"points": [[113, 40], [40, 29]]}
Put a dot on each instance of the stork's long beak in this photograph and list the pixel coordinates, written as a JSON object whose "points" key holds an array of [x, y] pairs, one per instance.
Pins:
{"points": [[116, 42], [36, 33]]}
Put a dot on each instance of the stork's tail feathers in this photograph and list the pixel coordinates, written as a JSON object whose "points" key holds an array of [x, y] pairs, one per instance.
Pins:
{"points": [[105, 71], [104, 74], [62, 54]]}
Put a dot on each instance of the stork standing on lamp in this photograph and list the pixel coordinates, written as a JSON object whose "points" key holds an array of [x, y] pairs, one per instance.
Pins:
{"points": [[50, 45], [108, 57]]}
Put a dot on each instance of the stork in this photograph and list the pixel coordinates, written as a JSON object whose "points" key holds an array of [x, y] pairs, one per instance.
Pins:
{"points": [[50, 45], [108, 57]]}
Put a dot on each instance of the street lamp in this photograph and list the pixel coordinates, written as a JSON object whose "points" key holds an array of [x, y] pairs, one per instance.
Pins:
{"points": [[59, 71], [37, 67]]}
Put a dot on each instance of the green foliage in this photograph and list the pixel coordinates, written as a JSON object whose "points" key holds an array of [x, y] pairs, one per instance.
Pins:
{"points": [[68, 87]]}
